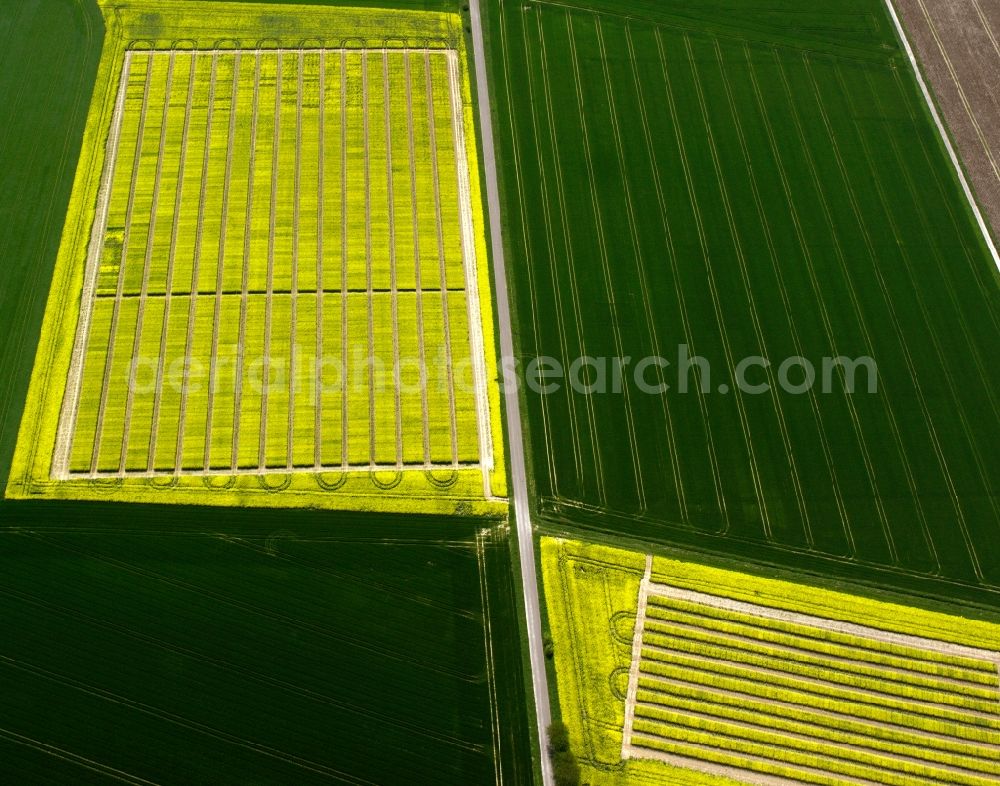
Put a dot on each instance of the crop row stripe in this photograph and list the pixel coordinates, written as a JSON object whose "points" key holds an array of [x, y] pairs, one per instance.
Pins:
{"points": [[182, 416], [840, 764], [115, 313], [765, 631], [817, 722], [245, 280], [786, 707], [860, 745], [774, 675], [833, 626], [853, 754], [71, 406], [294, 310], [171, 260], [452, 414], [147, 262], [318, 400], [220, 264], [688, 632], [268, 305], [418, 283], [394, 297]]}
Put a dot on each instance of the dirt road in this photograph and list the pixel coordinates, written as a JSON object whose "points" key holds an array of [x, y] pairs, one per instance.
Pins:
{"points": [[958, 45]]}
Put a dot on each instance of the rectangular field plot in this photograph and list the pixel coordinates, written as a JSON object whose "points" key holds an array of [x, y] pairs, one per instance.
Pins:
{"points": [[676, 672], [711, 180], [280, 271], [730, 688]]}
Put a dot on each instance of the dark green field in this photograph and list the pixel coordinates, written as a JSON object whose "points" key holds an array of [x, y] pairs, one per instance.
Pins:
{"points": [[48, 59], [345, 652], [751, 182]]}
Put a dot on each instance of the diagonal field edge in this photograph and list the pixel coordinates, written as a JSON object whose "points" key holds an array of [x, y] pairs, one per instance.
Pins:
{"points": [[943, 133]]}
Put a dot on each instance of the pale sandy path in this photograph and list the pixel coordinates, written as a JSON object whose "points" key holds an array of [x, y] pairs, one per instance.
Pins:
{"points": [[518, 473]]}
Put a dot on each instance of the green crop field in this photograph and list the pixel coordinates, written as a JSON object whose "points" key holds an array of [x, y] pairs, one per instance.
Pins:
{"points": [[281, 292], [749, 183], [149, 648], [676, 672]]}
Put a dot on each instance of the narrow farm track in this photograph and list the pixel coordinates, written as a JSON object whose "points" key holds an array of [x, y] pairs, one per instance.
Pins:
{"points": [[237, 292], [115, 314], [171, 260], [280, 470], [220, 267], [518, 471], [196, 260], [245, 278], [147, 262]]}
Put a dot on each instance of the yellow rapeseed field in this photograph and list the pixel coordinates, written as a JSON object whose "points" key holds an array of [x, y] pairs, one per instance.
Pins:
{"points": [[273, 283]]}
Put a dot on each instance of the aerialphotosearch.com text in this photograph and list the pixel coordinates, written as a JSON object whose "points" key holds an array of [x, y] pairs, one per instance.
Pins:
{"points": [[691, 373]]}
